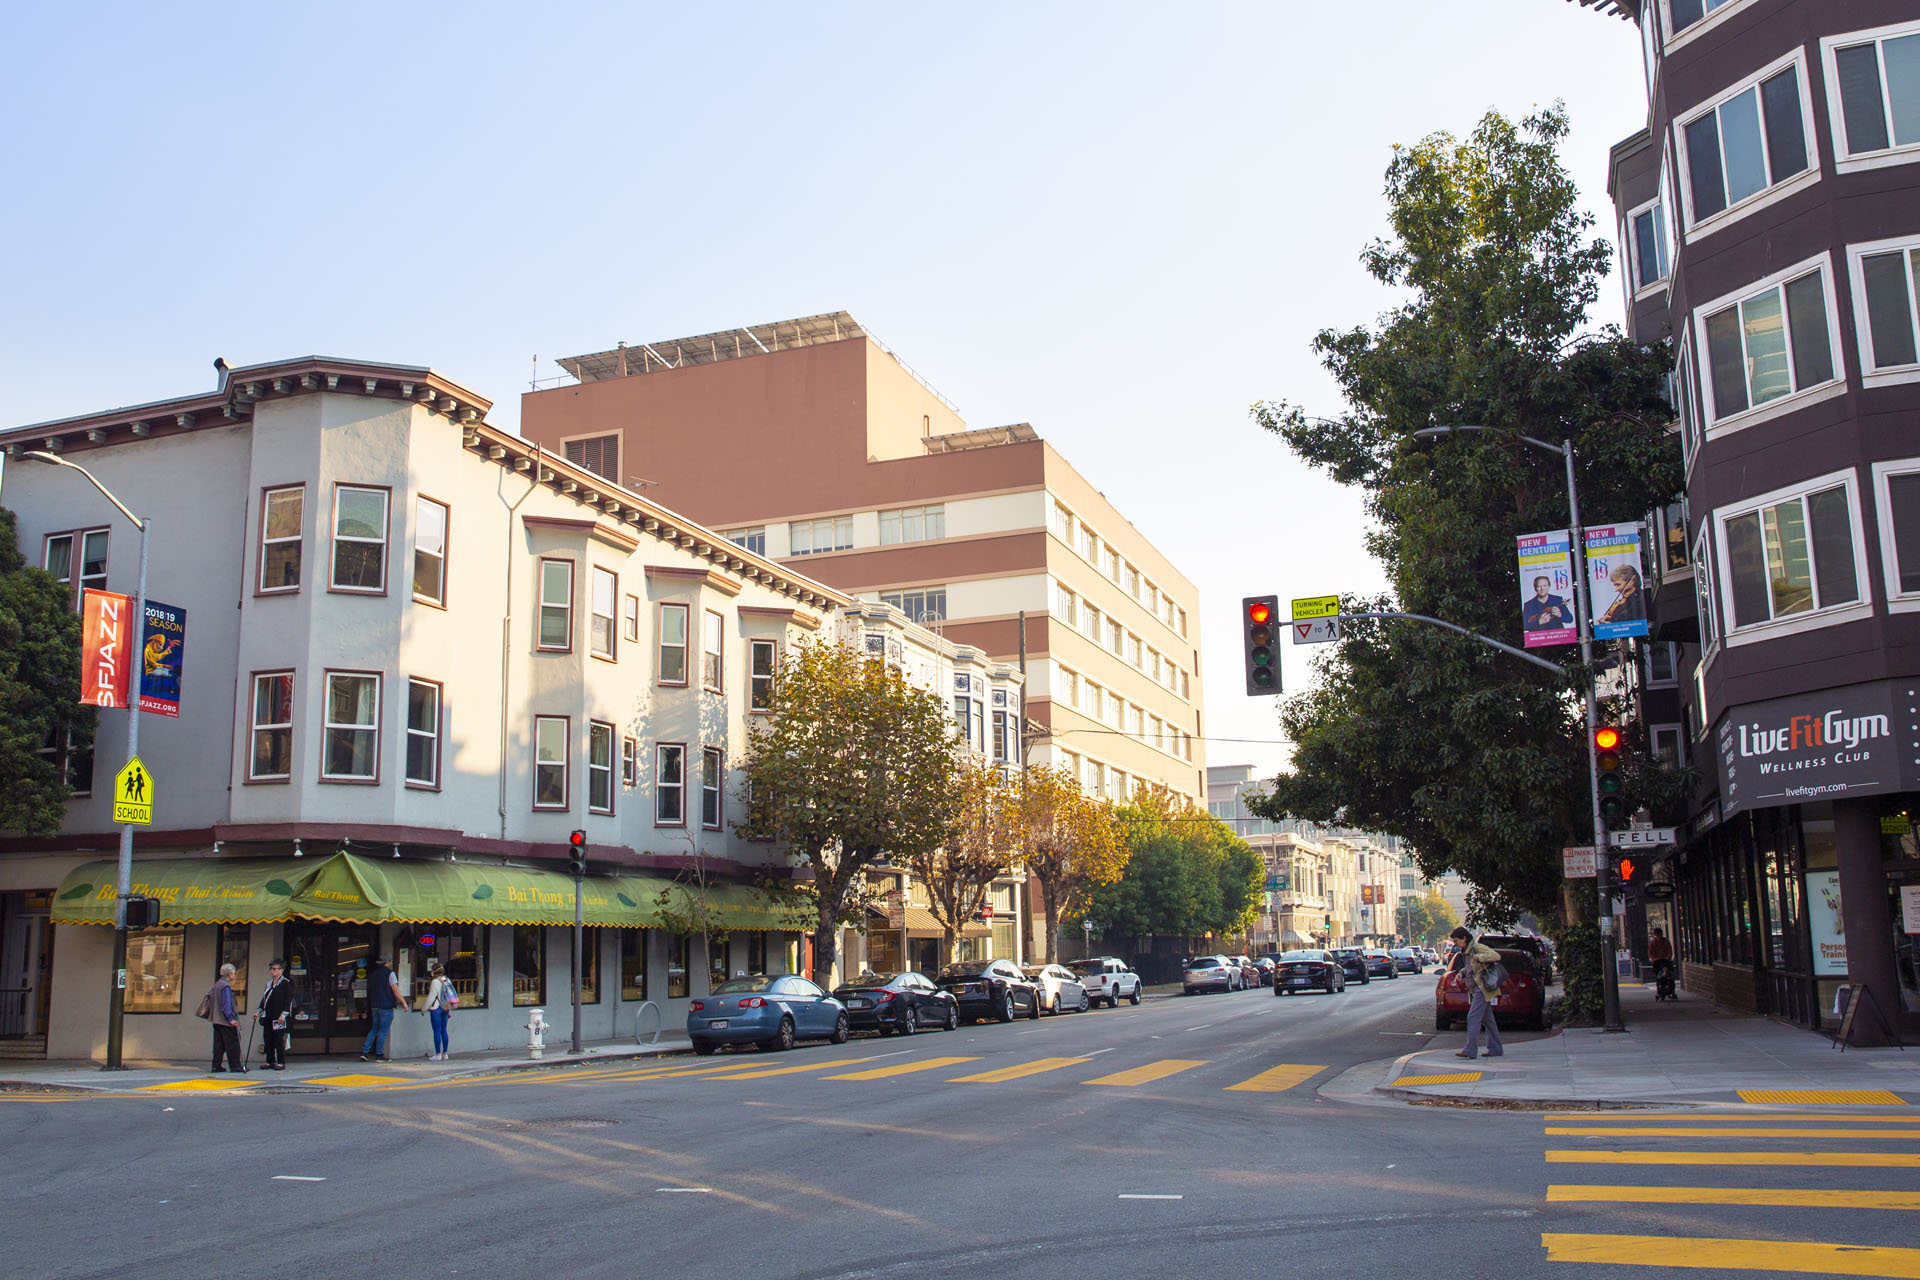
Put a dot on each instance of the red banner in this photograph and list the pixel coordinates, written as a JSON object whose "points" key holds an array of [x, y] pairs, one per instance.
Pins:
{"points": [[106, 622]]}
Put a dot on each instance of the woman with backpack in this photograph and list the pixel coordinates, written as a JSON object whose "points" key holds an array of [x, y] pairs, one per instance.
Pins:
{"points": [[1482, 968], [442, 1000]]}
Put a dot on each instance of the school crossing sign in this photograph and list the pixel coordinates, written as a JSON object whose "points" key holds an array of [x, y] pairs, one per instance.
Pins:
{"points": [[133, 794]]}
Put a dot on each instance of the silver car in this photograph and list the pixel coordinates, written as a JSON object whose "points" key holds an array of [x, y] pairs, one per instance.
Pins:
{"points": [[1060, 988], [1209, 973]]}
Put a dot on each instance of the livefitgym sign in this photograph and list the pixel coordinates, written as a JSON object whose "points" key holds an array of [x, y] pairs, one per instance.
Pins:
{"points": [[1827, 745]]}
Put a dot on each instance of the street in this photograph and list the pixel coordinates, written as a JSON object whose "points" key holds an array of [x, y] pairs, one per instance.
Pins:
{"points": [[1183, 1137]]}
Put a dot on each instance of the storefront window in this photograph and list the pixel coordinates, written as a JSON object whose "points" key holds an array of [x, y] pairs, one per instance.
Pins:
{"points": [[529, 964], [679, 950], [716, 962], [790, 956], [883, 951], [1900, 850], [589, 966], [633, 964], [155, 969], [232, 949], [462, 948]]}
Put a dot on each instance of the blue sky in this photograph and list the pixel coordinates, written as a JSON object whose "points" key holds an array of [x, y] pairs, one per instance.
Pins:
{"points": [[1121, 223]]}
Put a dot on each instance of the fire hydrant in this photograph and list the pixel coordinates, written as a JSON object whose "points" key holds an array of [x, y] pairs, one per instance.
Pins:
{"points": [[537, 1033]]}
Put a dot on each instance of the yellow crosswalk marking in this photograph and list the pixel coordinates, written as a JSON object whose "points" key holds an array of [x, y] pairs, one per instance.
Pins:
{"points": [[357, 1080], [1451, 1077], [1769, 1117], [1823, 1097], [1909, 1135], [902, 1069], [1001, 1074], [1788, 1198], [191, 1085], [1875, 1159], [1152, 1071], [1756, 1255], [1276, 1079], [717, 1068], [788, 1071]]}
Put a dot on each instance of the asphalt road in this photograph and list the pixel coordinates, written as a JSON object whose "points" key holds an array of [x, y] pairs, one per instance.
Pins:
{"points": [[1185, 1137]]}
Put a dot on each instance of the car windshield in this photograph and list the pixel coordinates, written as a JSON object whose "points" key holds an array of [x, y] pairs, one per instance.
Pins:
{"points": [[1204, 962], [871, 979], [1345, 953], [1300, 955], [1035, 971], [1403, 951], [966, 969], [1088, 966], [743, 986]]}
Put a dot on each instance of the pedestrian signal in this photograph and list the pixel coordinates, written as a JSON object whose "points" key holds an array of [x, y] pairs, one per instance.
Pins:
{"points": [[1259, 625], [1631, 870]]}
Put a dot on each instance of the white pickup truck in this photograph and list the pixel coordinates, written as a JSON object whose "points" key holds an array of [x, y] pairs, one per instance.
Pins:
{"points": [[1106, 978]]}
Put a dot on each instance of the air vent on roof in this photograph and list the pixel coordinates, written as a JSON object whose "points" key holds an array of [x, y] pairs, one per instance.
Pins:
{"points": [[600, 454]]}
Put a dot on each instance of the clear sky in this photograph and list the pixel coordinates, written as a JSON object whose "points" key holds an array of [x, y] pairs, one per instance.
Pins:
{"points": [[1122, 223]]}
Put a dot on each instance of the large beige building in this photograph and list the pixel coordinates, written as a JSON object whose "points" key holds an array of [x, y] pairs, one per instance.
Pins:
{"points": [[809, 443]]}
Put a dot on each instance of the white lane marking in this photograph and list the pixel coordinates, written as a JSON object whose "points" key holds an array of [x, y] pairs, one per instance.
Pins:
{"points": [[692, 1191], [293, 1177], [1126, 1196], [1202, 1027], [1094, 1053]]}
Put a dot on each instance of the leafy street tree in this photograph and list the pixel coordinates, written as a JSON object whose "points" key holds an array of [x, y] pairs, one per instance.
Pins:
{"points": [[854, 762], [1068, 842], [1474, 758], [1428, 918], [1189, 874], [39, 692], [980, 847]]}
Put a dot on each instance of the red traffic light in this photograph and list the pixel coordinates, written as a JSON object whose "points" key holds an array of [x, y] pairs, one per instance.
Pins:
{"points": [[1628, 870], [578, 839], [1259, 611], [1606, 737]]}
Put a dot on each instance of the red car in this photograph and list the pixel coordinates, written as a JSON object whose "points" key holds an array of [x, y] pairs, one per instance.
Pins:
{"points": [[1522, 999]]}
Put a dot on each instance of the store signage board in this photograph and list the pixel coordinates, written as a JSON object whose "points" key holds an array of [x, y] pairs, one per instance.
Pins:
{"points": [[1841, 742], [1579, 862], [1824, 923]]}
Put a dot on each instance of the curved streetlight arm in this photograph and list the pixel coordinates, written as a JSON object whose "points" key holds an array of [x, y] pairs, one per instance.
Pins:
{"points": [[41, 455], [1554, 667], [1428, 433]]}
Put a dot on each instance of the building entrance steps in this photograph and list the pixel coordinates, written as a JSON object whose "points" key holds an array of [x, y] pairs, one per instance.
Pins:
{"points": [[1684, 1052]]}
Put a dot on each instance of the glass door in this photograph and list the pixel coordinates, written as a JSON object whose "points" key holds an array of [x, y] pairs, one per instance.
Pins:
{"points": [[327, 966]]}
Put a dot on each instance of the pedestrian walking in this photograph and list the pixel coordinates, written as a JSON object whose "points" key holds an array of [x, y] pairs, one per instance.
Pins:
{"points": [[442, 1000], [226, 1023], [276, 1006], [1660, 960], [383, 994], [1475, 960]]}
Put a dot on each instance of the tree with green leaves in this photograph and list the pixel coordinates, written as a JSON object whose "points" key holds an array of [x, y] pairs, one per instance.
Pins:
{"points": [[980, 847], [855, 762], [1474, 758], [1188, 874], [1068, 842], [43, 725], [1427, 918]]}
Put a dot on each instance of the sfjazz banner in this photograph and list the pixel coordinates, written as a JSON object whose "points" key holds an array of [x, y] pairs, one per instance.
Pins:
{"points": [[106, 622], [162, 652], [1546, 588], [1614, 582]]}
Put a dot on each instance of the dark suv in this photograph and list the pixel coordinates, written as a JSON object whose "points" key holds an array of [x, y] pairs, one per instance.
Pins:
{"points": [[1353, 963], [990, 989]]}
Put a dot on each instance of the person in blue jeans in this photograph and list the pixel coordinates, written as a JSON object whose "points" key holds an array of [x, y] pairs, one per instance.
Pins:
{"points": [[1474, 958], [383, 994], [438, 1011]]}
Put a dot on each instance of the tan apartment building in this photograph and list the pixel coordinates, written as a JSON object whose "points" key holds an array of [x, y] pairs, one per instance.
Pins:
{"points": [[808, 442]]}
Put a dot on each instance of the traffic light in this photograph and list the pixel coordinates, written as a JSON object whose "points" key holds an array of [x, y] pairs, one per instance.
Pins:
{"points": [[1606, 754], [577, 854], [1260, 628], [1631, 869]]}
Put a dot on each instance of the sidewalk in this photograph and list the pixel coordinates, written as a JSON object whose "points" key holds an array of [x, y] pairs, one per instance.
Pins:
{"points": [[312, 1075], [1686, 1052]]}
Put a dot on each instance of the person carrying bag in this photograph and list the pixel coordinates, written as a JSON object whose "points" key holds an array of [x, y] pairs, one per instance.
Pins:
{"points": [[442, 1000]]}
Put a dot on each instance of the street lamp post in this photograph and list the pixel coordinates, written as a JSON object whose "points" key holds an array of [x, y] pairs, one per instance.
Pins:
{"points": [[123, 882], [1609, 977]]}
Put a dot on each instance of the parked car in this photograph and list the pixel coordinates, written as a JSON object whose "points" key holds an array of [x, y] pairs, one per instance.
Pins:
{"points": [[897, 1003], [1251, 974], [1267, 965], [1433, 957], [1536, 947], [1380, 964], [1208, 973], [1408, 959], [772, 1011], [1106, 978], [1060, 988], [1352, 963], [1522, 999], [1305, 970], [990, 989]]}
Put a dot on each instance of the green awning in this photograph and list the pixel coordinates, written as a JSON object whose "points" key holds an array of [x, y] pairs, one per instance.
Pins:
{"points": [[349, 888]]}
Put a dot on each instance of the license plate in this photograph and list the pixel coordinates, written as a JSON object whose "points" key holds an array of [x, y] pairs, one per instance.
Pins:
{"points": [[1296, 982], [859, 1004], [718, 1024]]}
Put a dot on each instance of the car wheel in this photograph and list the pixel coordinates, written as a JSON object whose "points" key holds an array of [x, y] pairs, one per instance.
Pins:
{"points": [[840, 1030], [1006, 1008], [1134, 998], [1086, 1000], [1054, 1007], [1033, 1014], [953, 1019], [704, 1048], [782, 1039], [907, 1023], [1330, 986]]}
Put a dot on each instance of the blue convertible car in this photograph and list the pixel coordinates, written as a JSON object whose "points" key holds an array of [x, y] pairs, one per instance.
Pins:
{"points": [[772, 1011]]}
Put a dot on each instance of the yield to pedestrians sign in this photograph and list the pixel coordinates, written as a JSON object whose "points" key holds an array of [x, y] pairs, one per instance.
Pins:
{"points": [[133, 794]]}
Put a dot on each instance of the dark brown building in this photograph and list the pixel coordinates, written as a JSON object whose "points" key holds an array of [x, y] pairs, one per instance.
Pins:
{"points": [[1769, 224]]}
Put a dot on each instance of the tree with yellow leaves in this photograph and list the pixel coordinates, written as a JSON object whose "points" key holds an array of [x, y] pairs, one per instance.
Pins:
{"points": [[981, 846], [1068, 841]]}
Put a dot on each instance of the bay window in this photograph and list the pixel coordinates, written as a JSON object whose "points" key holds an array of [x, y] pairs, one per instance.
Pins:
{"points": [[360, 538], [606, 591], [670, 785], [556, 606], [599, 767], [429, 551], [1897, 498], [1750, 140], [1791, 553], [1876, 77], [1884, 277], [711, 772], [351, 746], [280, 524], [1775, 342], [271, 756], [672, 664], [550, 735]]}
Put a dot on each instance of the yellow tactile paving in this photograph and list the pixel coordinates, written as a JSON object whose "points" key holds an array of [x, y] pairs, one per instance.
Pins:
{"points": [[355, 1081], [1870, 1159], [902, 1069], [188, 1086], [1823, 1097], [1451, 1077], [1002, 1074], [1276, 1079], [1788, 1197], [1570, 1131], [1754, 1255], [1152, 1071]]}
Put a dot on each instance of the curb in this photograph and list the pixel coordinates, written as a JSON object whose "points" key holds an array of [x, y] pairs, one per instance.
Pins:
{"points": [[1418, 1096]]}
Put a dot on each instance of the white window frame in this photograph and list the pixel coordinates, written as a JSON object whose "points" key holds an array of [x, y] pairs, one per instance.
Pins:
{"points": [[542, 605], [256, 726], [1715, 427], [1635, 290], [1857, 254], [600, 774], [713, 774], [1679, 733], [1898, 601], [1686, 379], [663, 789], [1673, 653], [745, 538], [629, 762], [713, 651], [420, 506], [630, 619], [1692, 227], [433, 736], [384, 541], [1705, 606], [1814, 619], [839, 532], [932, 524], [564, 763], [603, 582], [328, 725], [298, 539], [1896, 153], [661, 647], [1708, 21], [759, 702], [1066, 603]]}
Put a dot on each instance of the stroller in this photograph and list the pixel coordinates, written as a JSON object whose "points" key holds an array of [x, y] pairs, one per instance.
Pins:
{"points": [[1663, 981]]}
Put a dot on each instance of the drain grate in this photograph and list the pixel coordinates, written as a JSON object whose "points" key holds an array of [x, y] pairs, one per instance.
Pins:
{"points": [[286, 1088], [565, 1122]]}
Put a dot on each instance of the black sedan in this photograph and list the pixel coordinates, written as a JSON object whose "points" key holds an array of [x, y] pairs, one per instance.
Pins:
{"points": [[897, 1004], [1352, 963], [990, 989], [1308, 971]]}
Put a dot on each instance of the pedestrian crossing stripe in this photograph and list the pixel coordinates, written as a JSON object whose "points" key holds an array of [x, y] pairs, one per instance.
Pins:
{"points": [[1819, 1097], [902, 1069], [1908, 1135], [356, 1080], [1034, 1068], [1151, 1072], [1810, 1198], [1774, 1117], [189, 1086], [1451, 1077], [1276, 1079], [1874, 1159], [1730, 1254], [789, 1071]]}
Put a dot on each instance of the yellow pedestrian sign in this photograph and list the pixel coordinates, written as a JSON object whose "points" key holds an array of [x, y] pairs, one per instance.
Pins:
{"points": [[133, 794], [1316, 607]]}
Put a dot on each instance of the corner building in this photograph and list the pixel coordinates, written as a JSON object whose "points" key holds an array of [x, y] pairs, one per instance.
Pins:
{"points": [[810, 443], [1769, 222], [418, 653]]}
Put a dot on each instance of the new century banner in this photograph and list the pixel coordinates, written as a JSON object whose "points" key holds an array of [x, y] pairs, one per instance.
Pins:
{"points": [[1614, 582], [106, 630], [1546, 588], [162, 654]]}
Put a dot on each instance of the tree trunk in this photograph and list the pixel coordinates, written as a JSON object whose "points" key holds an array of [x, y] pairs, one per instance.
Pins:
{"points": [[826, 938], [949, 946], [1053, 920]]}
